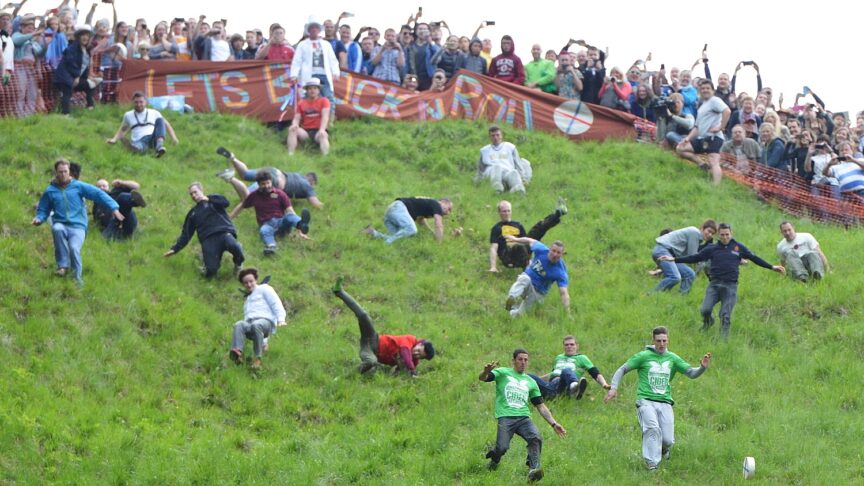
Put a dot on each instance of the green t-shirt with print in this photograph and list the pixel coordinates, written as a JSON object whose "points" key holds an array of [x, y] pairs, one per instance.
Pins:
{"points": [[578, 363], [656, 372], [513, 392]]}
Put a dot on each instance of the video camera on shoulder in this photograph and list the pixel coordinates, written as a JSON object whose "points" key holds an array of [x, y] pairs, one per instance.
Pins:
{"points": [[663, 106]]}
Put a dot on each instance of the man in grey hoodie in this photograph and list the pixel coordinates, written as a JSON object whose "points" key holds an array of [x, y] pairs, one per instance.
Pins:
{"points": [[680, 242]]}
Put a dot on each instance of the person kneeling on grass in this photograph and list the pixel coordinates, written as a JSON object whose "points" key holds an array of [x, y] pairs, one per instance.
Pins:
{"points": [[125, 193], [404, 352], [263, 312], [311, 119], [274, 212]]}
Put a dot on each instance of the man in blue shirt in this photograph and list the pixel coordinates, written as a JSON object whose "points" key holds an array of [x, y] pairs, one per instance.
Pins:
{"points": [[533, 284], [725, 257], [63, 200]]}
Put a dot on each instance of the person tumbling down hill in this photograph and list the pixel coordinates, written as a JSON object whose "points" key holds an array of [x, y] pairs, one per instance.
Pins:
{"points": [[403, 352], [263, 312], [401, 216], [295, 184]]}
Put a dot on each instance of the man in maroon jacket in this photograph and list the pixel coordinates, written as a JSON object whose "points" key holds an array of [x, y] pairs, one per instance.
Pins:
{"points": [[507, 66], [404, 351]]}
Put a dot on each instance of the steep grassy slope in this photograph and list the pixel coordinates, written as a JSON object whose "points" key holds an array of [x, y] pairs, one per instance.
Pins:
{"points": [[127, 381]]}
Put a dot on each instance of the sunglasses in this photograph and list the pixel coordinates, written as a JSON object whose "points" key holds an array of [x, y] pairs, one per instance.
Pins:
{"points": [[438, 78]]}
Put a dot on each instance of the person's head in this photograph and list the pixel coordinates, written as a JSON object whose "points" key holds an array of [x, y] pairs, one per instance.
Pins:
{"points": [[177, 27], [313, 29], [312, 88], [446, 206], [582, 56], [196, 192], [505, 211], [143, 53], [475, 47], [249, 278], [787, 230], [634, 74], [556, 251], [75, 170], [421, 31], [709, 229], [723, 81], [251, 39], [839, 120], [139, 101], [329, 29], [551, 55], [617, 74], [841, 134], [390, 36], [6, 20], [435, 34], [520, 360], [367, 44], [464, 44], [277, 36], [265, 181], [237, 41], [571, 345], [766, 132], [506, 44], [769, 93], [805, 137], [423, 350], [160, 30], [593, 53], [62, 173], [536, 52], [410, 82], [845, 149], [203, 28], [406, 34], [565, 60], [762, 99], [452, 43], [738, 133], [439, 79], [375, 35], [496, 136], [685, 77], [643, 93], [312, 178], [345, 33], [28, 25], [771, 117], [83, 35], [724, 233], [660, 338], [53, 23], [706, 89], [793, 125], [487, 45], [760, 109], [678, 100], [103, 184]]}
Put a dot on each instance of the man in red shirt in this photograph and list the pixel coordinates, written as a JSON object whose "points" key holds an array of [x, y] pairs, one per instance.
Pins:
{"points": [[311, 119], [273, 211], [277, 49], [404, 352]]}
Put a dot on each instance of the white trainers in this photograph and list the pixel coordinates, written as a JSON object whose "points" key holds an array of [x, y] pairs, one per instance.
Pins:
{"points": [[226, 175]]}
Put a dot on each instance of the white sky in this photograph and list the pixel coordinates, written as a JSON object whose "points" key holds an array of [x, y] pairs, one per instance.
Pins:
{"points": [[794, 43]]}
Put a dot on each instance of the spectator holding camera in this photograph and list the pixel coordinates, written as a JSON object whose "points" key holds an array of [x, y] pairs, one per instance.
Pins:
{"points": [[673, 125], [540, 73], [216, 46], [773, 147], [163, 47], [449, 59], [847, 169], [388, 59], [818, 157], [688, 91], [707, 136], [615, 92], [798, 150], [419, 56], [568, 79], [278, 48]]}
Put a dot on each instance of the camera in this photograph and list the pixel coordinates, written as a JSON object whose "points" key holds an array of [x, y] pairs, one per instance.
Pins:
{"points": [[821, 146], [841, 158], [663, 106]]}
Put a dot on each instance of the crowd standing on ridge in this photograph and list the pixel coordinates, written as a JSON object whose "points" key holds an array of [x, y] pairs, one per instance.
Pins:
{"points": [[416, 54]]}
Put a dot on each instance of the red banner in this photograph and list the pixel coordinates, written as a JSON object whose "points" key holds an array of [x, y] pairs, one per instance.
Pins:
{"points": [[259, 89]]}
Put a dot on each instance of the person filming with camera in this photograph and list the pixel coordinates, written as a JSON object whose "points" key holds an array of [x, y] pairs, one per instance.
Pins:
{"points": [[672, 123]]}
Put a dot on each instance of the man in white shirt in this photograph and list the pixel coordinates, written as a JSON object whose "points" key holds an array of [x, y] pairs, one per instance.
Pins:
{"points": [[148, 127], [500, 163], [263, 312], [314, 58], [801, 254]]}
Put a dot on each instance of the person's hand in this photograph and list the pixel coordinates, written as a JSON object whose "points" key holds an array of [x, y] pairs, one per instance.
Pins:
{"points": [[607, 386], [559, 429], [36, 222], [715, 129], [666, 258], [116, 183], [706, 360], [168, 253], [175, 140], [118, 215], [779, 269], [610, 395], [738, 67], [780, 101], [493, 270], [509, 237], [756, 67], [490, 366]]}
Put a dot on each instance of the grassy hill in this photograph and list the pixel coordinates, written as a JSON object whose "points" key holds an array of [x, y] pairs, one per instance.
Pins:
{"points": [[127, 381]]}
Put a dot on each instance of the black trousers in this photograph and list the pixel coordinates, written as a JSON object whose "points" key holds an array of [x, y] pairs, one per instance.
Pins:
{"points": [[214, 246]]}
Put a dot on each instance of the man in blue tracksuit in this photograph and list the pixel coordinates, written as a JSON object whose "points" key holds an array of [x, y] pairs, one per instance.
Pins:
{"points": [[65, 197], [725, 257]]}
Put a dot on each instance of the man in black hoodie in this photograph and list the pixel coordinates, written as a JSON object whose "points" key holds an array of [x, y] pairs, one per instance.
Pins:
{"points": [[507, 66], [216, 232]]}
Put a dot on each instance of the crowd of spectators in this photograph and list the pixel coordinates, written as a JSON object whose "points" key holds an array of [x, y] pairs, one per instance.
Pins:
{"points": [[803, 139]]}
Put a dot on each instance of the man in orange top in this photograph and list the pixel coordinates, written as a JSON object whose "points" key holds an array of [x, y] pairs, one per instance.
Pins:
{"points": [[404, 351], [311, 119]]}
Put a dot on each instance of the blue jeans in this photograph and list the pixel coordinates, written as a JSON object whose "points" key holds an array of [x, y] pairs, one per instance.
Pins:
{"points": [[727, 294], [399, 223], [673, 273], [68, 241], [152, 140], [269, 229], [556, 386]]}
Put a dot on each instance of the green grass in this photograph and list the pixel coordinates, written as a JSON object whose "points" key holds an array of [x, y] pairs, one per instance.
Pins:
{"points": [[128, 381]]}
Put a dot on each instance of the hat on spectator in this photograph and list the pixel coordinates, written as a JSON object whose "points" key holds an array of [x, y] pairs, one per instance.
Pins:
{"points": [[83, 29], [6, 13], [747, 118], [309, 23], [28, 19], [312, 82]]}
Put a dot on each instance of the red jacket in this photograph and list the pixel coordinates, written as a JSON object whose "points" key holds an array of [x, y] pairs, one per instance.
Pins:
{"points": [[390, 348]]}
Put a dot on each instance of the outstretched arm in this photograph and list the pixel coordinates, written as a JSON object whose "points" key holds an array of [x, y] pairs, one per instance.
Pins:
{"points": [[486, 374], [547, 415], [703, 365], [616, 379], [523, 239]]}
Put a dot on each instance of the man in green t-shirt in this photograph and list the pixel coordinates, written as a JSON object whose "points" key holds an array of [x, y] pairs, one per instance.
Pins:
{"points": [[566, 376], [513, 390], [656, 366]]}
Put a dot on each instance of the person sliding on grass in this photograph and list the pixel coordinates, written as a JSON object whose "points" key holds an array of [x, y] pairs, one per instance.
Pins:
{"points": [[404, 352], [513, 390], [263, 312]]}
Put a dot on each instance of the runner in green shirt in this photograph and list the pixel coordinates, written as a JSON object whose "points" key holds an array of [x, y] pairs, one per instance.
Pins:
{"points": [[566, 376], [513, 390], [657, 367]]}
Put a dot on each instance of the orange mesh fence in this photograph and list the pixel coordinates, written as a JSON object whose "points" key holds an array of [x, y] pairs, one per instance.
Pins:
{"points": [[31, 90]]}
